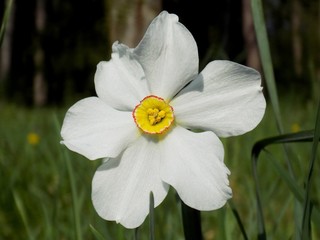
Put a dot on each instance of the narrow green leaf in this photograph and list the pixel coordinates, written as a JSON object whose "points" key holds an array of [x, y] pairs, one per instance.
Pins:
{"points": [[306, 224], [293, 186], [222, 223], [238, 219], [74, 194], [136, 233], [96, 233], [75, 205], [262, 235], [191, 220], [297, 218], [23, 215], [257, 148], [5, 19], [305, 136], [49, 233], [264, 50], [295, 189], [265, 56], [151, 216]]}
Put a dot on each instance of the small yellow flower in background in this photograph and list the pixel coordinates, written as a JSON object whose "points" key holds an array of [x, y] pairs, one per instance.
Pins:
{"points": [[33, 138], [295, 127]]}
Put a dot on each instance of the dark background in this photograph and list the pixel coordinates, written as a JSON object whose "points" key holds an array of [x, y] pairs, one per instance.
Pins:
{"points": [[60, 42]]}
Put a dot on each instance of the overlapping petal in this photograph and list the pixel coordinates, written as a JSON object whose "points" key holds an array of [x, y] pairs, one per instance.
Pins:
{"points": [[121, 81], [95, 130], [193, 164], [168, 54], [121, 186], [226, 98]]}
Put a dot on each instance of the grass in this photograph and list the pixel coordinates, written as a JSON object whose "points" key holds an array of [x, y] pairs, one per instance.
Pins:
{"points": [[46, 188], [38, 200]]}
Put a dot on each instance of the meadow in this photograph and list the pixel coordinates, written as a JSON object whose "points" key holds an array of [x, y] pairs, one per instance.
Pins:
{"points": [[46, 189]]}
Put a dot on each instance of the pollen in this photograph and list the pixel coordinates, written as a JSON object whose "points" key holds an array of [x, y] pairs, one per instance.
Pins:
{"points": [[153, 115]]}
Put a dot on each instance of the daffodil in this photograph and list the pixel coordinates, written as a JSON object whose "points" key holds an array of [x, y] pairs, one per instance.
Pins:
{"points": [[156, 123]]}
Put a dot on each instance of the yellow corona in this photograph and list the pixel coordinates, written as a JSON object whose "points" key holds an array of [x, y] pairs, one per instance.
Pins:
{"points": [[153, 115]]}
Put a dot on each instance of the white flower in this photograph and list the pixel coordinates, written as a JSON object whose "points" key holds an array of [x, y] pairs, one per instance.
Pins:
{"points": [[156, 123]]}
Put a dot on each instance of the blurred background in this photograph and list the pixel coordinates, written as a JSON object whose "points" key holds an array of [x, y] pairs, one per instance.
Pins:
{"points": [[48, 58], [51, 48]]}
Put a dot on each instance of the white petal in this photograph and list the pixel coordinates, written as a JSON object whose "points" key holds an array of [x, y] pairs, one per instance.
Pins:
{"points": [[121, 186], [225, 98], [169, 55], [95, 130], [121, 81], [193, 165]]}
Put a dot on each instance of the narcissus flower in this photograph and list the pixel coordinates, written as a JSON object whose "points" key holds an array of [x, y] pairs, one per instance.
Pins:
{"points": [[156, 122]]}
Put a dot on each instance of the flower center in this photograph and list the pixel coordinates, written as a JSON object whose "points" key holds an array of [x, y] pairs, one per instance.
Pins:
{"points": [[153, 115]]}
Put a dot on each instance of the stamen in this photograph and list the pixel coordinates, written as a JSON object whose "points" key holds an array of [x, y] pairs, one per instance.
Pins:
{"points": [[153, 115]]}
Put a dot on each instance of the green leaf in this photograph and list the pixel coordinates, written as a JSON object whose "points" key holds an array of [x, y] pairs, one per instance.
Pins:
{"points": [[5, 20], [191, 220], [257, 148], [136, 233], [75, 198], [96, 233], [74, 195], [265, 56], [238, 219], [22, 212], [305, 136], [151, 217], [306, 224]]}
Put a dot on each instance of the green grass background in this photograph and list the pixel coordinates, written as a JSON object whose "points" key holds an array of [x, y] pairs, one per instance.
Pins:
{"points": [[37, 202], [46, 189]]}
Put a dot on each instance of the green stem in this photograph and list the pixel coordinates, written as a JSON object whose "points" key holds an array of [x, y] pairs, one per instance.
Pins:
{"points": [[191, 222], [5, 20], [265, 56], [307, 203], [151, 216], [74, 198]]}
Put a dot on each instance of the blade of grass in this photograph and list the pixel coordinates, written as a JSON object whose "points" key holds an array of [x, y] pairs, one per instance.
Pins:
{"points": [[264, 50], [295, 189], [297, 218], [5, 19], [307, 203], [238, 219], [305, 136], [262, 235], [191, 220], [280, 214], [23, 215], [265, 56], [74, 195], [293, 186], [221, 224], [151, 217], [136, 233], [48, 223], [96, 233]]}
